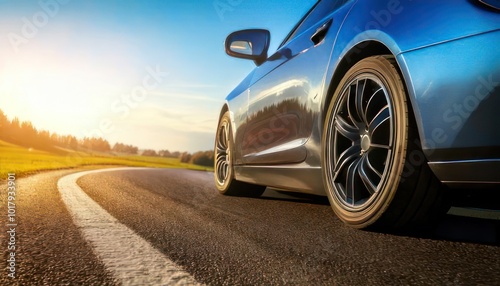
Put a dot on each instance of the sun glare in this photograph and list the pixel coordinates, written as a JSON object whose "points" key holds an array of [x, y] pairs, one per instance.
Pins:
{"points": [[52, 99]]}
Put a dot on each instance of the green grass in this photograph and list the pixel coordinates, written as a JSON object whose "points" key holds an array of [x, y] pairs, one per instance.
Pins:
{"points": [[23, 161]]}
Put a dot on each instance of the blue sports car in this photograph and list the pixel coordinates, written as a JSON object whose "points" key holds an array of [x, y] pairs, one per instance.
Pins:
{"points": [[380, 105]]}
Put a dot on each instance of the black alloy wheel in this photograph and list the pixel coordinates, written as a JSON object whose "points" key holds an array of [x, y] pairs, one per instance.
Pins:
{"points": [[367, 138]]}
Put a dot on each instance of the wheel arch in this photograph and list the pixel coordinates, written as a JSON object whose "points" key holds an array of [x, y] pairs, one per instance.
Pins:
{"points": [[362, 51], [223, 110], [350, 58]]}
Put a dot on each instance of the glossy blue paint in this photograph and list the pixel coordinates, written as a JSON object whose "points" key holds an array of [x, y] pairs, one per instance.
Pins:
{"points": [[447, 52], [456, 89]]}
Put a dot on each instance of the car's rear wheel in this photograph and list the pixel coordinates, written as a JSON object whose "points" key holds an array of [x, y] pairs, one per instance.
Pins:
{"points": [[223, 165], [369, 140]]}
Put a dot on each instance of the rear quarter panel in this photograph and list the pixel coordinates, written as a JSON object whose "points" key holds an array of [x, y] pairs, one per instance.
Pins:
{"points": [[448, 53]]}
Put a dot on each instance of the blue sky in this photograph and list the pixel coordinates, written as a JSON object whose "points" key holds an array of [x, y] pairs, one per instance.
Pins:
{"points": [[149, 73]]}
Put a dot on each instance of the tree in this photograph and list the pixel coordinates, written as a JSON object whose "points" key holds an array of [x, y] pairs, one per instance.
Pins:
{"points": [[149, 152], [185, 157], [164, 153], [123, 148], [44, 140], [28, 135], [72, 142], [13, 131], [96, 144], [4, 125], [203, 158]]}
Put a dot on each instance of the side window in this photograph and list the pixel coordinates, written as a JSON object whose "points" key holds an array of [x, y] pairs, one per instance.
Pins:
{"points": [[318, 12]]}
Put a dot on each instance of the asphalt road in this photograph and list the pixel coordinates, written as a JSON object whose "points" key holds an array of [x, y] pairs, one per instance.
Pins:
{"points": [[273, 240]]}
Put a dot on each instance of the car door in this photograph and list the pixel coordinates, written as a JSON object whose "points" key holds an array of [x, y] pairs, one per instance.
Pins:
{"points": [[286, 89]]}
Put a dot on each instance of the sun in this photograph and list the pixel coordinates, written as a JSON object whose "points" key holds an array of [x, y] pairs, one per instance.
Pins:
{"points": [[51, 98]]}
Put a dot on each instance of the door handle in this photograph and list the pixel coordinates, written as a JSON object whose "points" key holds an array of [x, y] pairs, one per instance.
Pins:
{"points": [[320, 33]]}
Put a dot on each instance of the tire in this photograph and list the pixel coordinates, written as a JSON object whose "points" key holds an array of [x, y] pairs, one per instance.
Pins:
{"points": [[223, 164], [369, 150]]}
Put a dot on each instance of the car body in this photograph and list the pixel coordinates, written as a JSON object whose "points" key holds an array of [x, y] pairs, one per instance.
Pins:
{"points": [[434, 67]]}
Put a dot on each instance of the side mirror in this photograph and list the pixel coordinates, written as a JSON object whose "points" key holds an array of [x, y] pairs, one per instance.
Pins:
{"points": [[249, 44]]}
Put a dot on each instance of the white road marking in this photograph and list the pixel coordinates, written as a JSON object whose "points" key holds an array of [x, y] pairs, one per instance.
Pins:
{"points": [[131, 259]]}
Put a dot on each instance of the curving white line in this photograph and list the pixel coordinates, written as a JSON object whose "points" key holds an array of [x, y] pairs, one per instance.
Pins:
{"points": [[131, 259]]}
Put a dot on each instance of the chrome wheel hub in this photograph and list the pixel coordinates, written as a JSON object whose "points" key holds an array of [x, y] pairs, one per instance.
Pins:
{"points": [[365, 143]]}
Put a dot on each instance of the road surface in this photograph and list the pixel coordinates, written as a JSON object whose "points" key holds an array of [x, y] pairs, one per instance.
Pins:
{"points": [[175, 220]]}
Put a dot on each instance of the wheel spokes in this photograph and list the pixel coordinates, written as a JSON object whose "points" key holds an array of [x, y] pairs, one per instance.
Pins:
{"points": [[221, 167], [382, 116], [352, 106], [222, 153], [360, 93], [345, 160], [345, 129], [364, 173], [350, 183], [361, 141]]}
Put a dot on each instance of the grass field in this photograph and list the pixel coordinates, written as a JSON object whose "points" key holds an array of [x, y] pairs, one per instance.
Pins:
{"points": [[23, 161]]}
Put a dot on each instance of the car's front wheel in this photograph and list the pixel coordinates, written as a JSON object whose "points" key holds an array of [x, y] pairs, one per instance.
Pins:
{"points": [[369, 139], [223, 165]]}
